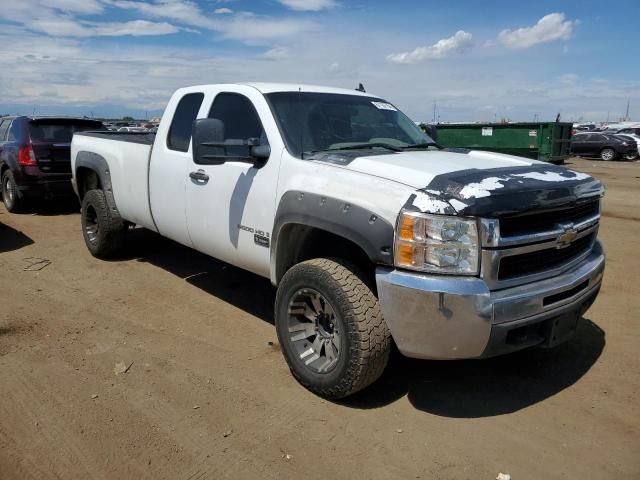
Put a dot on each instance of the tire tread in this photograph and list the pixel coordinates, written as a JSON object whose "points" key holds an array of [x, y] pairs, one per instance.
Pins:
{"points": [[367, 329]]}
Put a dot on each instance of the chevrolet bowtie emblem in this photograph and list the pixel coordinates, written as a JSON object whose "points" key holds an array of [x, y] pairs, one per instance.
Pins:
{"points": [[566, 237]]}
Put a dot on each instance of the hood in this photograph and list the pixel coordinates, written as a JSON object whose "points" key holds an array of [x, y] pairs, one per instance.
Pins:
{"points": [[418, 168], [471, 182]]}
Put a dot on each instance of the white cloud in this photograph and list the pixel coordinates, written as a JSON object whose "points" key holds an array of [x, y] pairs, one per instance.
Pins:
{"points": [[549, 28], [243, 26], [222, 11], [568, 78], [65, 27], [76, 6], [277, 53], [309, 5], [458, 43], [59, 18]]}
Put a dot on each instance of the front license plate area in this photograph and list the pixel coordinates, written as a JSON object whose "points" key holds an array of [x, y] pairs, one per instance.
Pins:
{"points": [[560, 329]]}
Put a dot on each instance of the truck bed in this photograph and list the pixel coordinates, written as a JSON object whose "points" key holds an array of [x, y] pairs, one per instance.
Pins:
{"points": [[127, 157], [143, 138]]}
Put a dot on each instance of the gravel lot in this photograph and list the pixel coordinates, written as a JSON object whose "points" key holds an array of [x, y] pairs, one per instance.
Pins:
{"points": [[207, 394]]}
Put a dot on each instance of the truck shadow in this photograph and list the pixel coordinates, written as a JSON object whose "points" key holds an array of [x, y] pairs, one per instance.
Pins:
{"points": [[457, 389], [245, 290], [489, 387], [12, 239]]}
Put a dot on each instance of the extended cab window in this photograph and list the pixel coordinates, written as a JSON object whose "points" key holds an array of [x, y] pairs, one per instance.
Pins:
{"points": [[180, 129], [240, 120]]}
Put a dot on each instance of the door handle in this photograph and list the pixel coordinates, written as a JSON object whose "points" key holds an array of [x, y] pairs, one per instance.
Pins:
{"points": [[199, 176]]}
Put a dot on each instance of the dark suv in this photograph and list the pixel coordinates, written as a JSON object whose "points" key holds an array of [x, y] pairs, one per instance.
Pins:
{"points": [[607, 147], [35, 157]]}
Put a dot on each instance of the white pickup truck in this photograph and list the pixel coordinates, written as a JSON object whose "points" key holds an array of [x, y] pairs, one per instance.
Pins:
{"points": [[372, 232]]}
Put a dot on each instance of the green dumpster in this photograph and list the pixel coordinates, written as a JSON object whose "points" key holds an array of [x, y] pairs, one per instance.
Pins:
{"points": [[549, 142]]}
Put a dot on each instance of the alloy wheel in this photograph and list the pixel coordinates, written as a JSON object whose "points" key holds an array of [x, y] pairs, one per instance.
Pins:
{"points": [[313, 330]]}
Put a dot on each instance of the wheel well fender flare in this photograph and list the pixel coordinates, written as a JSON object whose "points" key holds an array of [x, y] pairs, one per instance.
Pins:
{"points": [[98, 165], [366, 229]]}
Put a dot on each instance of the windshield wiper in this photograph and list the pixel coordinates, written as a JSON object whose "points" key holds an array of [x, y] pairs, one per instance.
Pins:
{"points": [[359, 146], [423, 145]]}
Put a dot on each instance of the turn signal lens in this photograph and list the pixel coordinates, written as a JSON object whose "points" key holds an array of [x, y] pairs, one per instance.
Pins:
{"points": [[405, 227]]}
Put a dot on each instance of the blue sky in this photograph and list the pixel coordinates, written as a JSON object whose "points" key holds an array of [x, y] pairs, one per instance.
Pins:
{"points": [[477, 60]]}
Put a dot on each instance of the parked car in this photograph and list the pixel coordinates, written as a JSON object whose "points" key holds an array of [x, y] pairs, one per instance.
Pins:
{"points": [[635, 130], [582, 127], [604, 146], [34, 156], [133, 129], [369, 230], [631, 138]]}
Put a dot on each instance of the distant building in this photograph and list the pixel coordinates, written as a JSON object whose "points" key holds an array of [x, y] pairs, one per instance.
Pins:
{"points": [[155, 119]]}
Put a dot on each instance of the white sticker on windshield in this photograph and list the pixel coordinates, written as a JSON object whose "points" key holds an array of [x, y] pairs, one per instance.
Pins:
{"points": [[384, 106]]}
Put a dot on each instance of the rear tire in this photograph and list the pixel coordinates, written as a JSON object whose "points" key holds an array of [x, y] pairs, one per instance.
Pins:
{"points": [[104, 233], [12, 198], [330, 328], [607, 154]]}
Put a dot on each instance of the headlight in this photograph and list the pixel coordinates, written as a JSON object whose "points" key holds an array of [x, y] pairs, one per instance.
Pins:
{"points": [[437, 243]]}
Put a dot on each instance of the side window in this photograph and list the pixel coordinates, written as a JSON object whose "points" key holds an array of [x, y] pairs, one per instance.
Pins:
{"points": [[4, 125], [13, 132], [180, 129], [240, 119]]}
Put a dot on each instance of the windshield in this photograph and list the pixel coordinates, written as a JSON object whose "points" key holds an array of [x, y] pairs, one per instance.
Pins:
{"points": [[60, 131], [313, 122]]}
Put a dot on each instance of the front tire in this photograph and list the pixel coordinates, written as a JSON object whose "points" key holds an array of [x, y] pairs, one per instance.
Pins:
{"points": [[103, 232], [331, 329], [11, 197], [607, 154]]}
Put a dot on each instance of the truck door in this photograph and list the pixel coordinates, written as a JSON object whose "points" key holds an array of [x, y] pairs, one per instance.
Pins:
{"points": [[171, 156], [231, 207]]}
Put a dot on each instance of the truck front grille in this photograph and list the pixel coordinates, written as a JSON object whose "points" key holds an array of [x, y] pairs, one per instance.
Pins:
{"points": [[524, 248], [535, 262], [547, 220]]}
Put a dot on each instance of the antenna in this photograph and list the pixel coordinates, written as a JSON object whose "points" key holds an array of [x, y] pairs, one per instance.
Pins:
{"points": [[361, 88]]}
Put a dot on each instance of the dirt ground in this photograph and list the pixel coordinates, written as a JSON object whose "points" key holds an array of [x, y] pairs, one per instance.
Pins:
{"points": [[207, 394]]}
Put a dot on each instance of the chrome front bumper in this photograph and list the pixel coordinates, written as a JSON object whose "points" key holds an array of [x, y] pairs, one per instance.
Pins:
{"points": [[442, 317]]}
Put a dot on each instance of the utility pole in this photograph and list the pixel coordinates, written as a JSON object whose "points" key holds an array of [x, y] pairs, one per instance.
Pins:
{"points": [[626, 116], [434, 112]]}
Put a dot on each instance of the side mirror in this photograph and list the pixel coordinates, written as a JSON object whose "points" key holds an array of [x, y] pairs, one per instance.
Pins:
{"points": [[208, 137], [210, 146], [261, 152]]}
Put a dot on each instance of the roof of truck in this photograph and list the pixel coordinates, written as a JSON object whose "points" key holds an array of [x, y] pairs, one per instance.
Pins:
{"points": [[294, 87], [265, 87]]}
